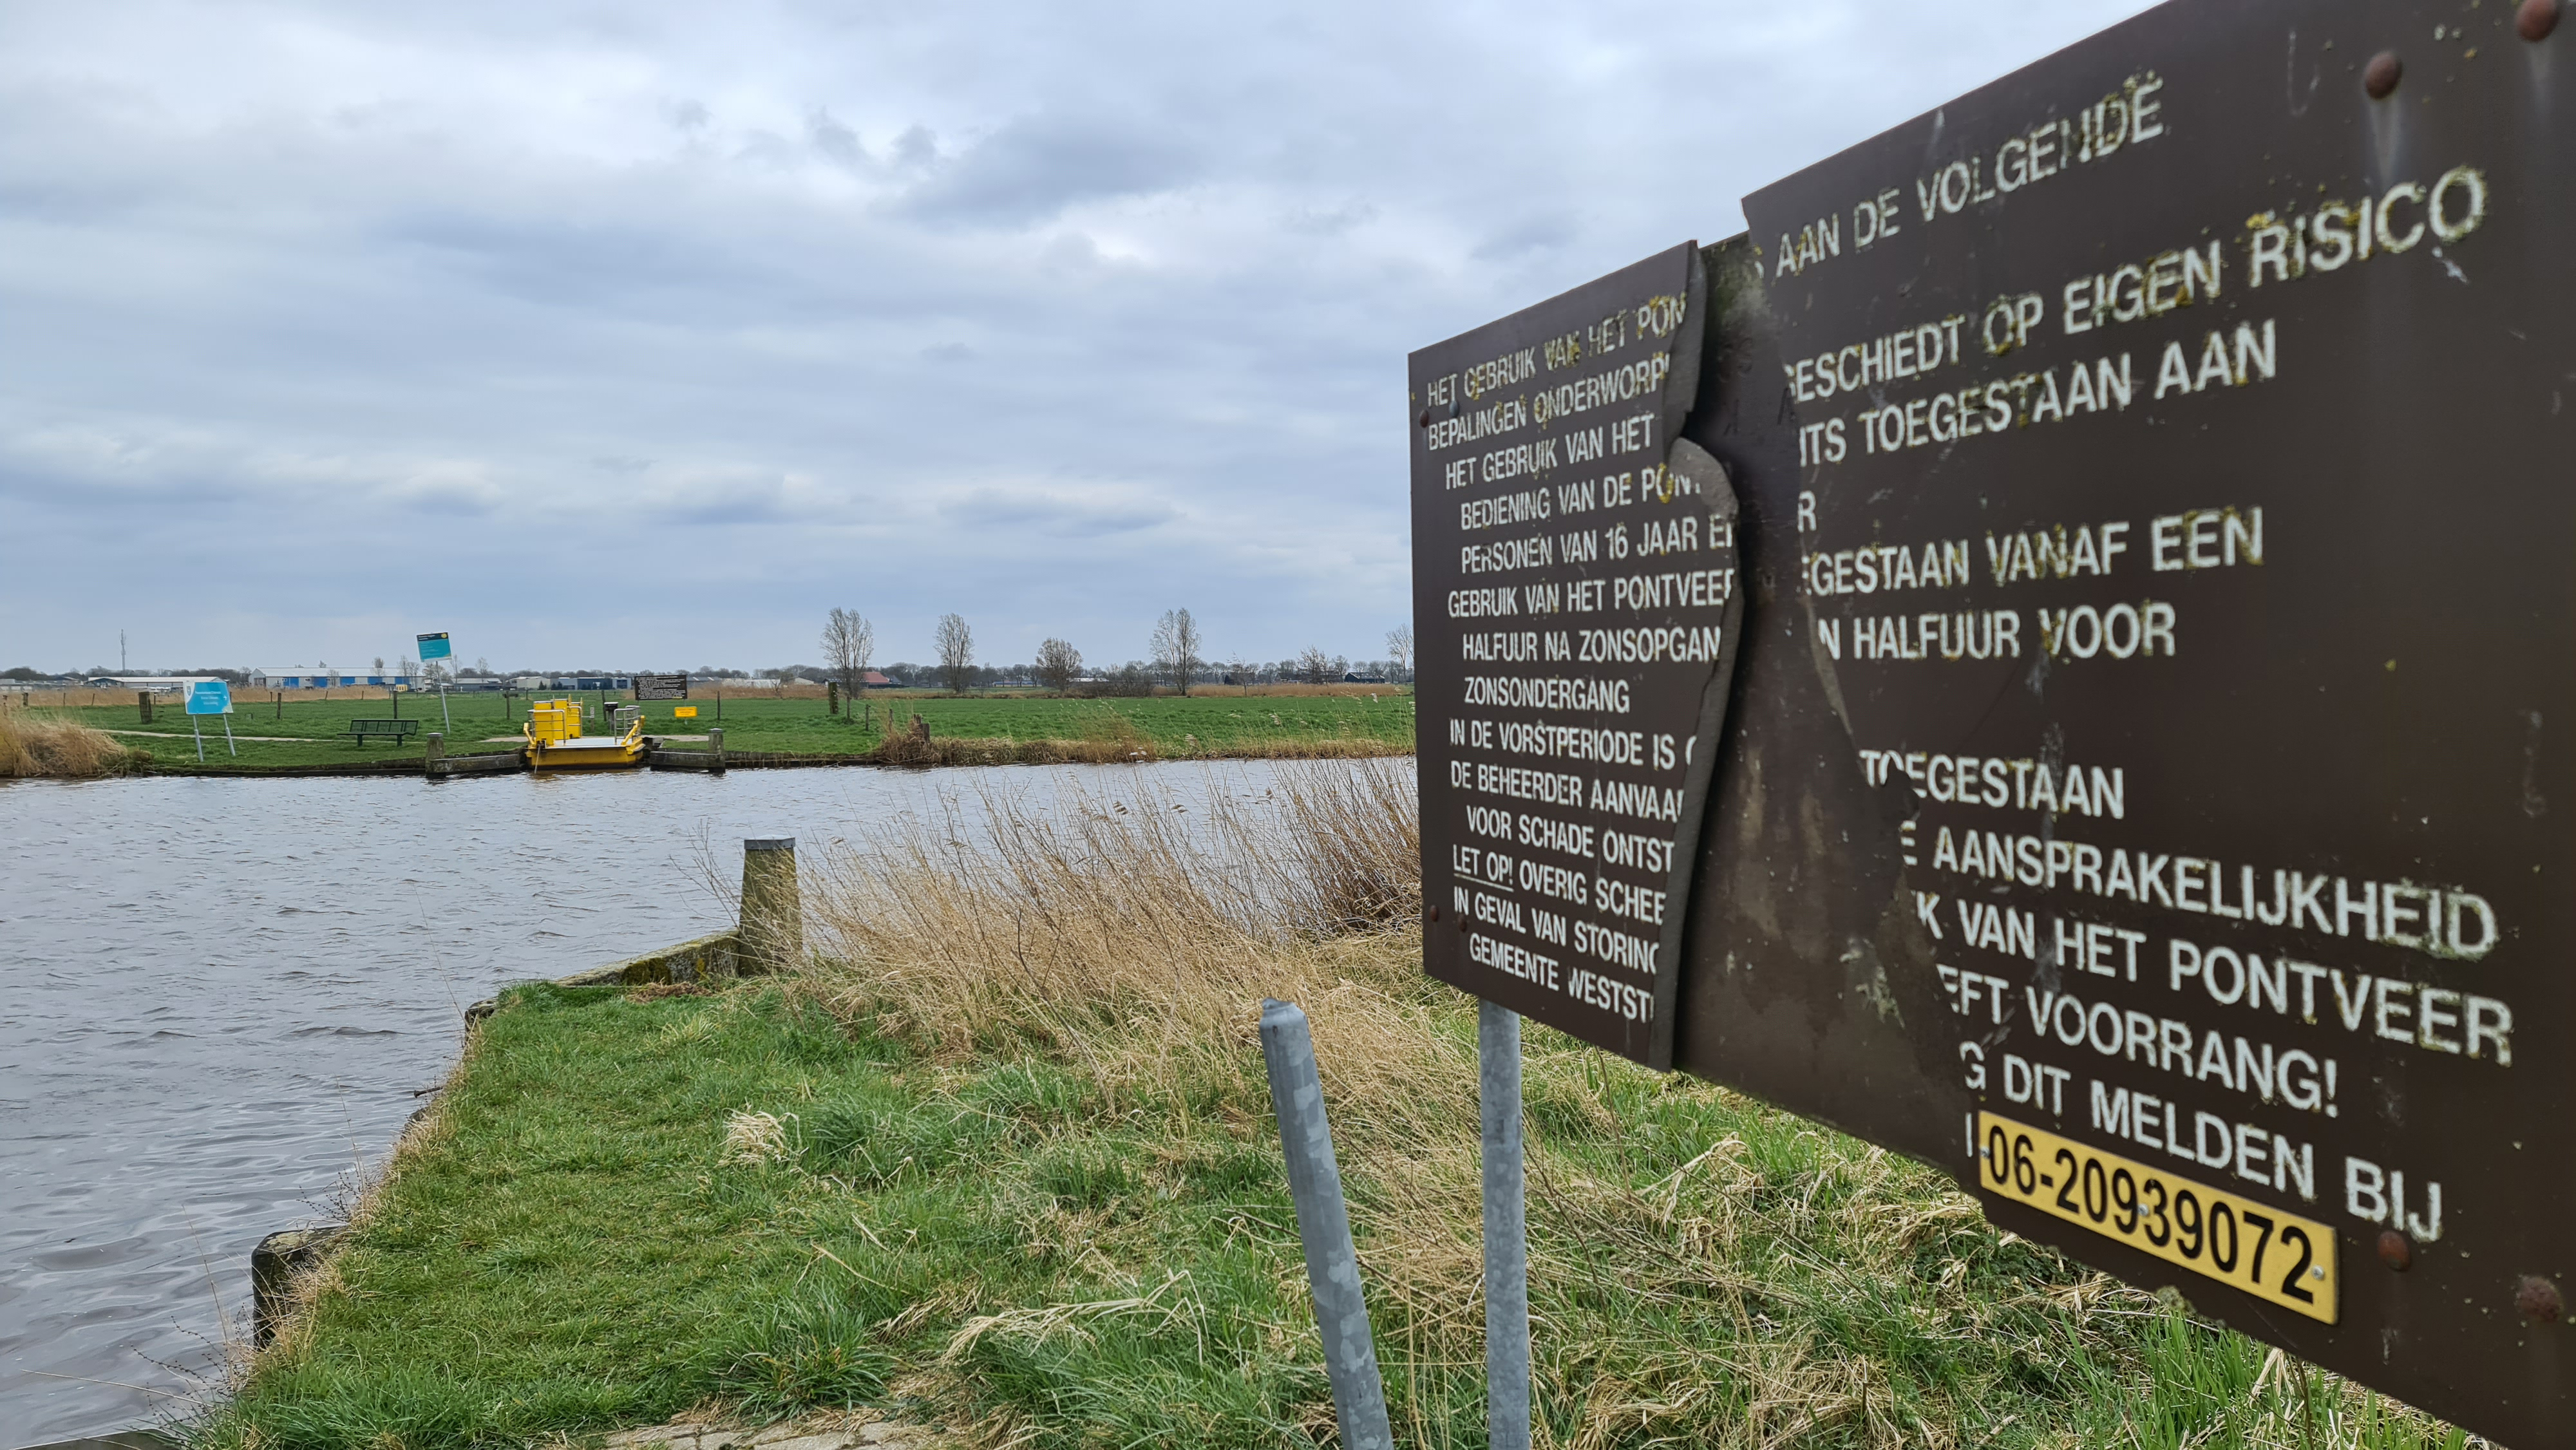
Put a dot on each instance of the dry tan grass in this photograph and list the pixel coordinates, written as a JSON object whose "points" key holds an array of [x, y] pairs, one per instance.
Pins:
{"points": [[1099, 920], [32, 746]]}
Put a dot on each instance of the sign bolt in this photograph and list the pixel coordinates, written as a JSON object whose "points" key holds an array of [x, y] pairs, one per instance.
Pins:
{"points": [[2395, 1251], [2380, 76], [2538, 1300], [2534, 19]]}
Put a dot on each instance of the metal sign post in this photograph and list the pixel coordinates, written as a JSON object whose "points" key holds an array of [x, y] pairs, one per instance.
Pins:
{"points": [[438, 647], [1507, 1329], [211, 697]]}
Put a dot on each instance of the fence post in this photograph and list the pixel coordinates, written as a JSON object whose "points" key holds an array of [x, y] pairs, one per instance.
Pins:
{"points": [[772, 927], [1507, 1330], [1324, 1223]]}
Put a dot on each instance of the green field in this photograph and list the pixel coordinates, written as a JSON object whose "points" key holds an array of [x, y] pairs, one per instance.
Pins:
{"points": [[1213, 724]]}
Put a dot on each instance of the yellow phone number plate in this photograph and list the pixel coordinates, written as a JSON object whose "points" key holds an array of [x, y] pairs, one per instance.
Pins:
{"points": [[2275, 1256]]}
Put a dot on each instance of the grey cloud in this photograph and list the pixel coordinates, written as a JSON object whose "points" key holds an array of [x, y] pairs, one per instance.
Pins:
{"points": [[1536, 234], [1033, 167], [834, 139], [729, 497], [1329, 221], [1055, 515], [918, 146]]}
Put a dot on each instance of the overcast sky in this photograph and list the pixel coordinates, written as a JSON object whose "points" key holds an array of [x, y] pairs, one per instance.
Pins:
{"points": [[639, 335]]}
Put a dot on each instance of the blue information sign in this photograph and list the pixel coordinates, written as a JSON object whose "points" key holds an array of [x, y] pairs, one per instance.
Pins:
{"points": [[210, 697], [434, 646]]}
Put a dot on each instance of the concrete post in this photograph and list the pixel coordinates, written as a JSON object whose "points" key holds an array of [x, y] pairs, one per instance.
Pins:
{"points": [[143, 705], [1324, 1223], [433, 764], [1507, 1326], [715, 745], [773, 914]]}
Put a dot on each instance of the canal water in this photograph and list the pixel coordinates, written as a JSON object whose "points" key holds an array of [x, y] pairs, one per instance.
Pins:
{"points": [[220, 999]]}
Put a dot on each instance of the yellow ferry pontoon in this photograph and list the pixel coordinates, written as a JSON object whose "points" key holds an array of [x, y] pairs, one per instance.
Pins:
{"points": [[555, 741]]}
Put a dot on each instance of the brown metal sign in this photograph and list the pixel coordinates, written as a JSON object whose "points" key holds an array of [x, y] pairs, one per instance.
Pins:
{"points": [[2146, 790], [1575, 600]]}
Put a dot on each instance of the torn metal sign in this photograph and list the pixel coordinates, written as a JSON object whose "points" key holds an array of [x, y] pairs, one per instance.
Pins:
{"points": [[1576, 606], [2145, 787]]}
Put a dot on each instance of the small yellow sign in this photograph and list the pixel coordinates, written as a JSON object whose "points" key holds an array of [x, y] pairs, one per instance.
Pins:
{"points": [[684, 712], [2275, 1256]]}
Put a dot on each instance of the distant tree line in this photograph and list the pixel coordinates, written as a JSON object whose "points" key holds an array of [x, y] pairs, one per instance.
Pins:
{"points": [[1181, 660]]}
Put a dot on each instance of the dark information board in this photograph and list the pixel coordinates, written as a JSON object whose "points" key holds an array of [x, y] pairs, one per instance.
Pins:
{"points": [[2151, 783], [1575, 604], [661, 687]]}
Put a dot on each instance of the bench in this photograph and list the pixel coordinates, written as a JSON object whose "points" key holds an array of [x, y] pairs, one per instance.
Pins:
{"points": [[397, 731]]}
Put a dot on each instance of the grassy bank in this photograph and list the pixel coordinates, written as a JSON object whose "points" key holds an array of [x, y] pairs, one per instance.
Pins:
{"points": [[301, 733], [1004, 1156]]}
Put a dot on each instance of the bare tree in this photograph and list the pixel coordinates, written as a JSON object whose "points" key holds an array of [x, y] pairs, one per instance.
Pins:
{"points": [[1176, 648], [1059, 665], [1315, 665], [849, 641], [956, 652], [1241, 669], [1399, 651]]}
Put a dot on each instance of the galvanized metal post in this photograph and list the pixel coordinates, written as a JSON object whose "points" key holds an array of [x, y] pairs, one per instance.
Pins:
{"points": [[1324, 1223], [1507, 1329]]}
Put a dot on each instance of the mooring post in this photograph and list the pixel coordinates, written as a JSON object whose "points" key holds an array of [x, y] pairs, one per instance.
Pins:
{"points": [[715, 745], [773, 915], [1324, 1223], [1507, 1330], [432, 762]]}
